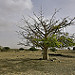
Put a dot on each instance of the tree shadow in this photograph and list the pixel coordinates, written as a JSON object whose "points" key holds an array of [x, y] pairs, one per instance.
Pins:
{"points": [[61, 55]]}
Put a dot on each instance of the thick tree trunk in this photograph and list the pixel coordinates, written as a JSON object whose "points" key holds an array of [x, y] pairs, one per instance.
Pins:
{"points": [[45, 54]]}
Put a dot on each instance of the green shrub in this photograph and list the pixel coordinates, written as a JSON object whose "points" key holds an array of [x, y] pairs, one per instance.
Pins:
{"points": [[5, 49], [21, 48], [53, 49], [73, 48], [33, 49], [68, 48]]}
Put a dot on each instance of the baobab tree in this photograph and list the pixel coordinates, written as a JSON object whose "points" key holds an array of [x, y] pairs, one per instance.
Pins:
{"points": [[41, 32]]}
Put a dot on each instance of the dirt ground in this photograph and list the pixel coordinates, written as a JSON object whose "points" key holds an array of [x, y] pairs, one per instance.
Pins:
{"points": [[30, 63]]}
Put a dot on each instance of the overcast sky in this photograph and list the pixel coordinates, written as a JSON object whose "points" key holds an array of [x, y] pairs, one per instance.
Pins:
{"points": [[11, 12]]}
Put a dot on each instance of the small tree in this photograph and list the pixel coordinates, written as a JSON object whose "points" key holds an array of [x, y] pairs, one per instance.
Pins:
{"points": [[73, 48], [42, 32], [33, 49], [5, 49], [53, 49], [21, 48]]}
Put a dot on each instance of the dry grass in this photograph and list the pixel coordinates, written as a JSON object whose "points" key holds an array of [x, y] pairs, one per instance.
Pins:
{"points": [[28, 63]]}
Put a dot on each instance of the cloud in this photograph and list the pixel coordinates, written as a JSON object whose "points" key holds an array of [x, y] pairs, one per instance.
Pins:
{"points": [[15, 5], [10, 10], [68, 7]]}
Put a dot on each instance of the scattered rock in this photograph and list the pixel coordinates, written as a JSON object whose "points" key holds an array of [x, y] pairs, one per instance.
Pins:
{"points": [[55, 59], [22, 55], [51, 60]]}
